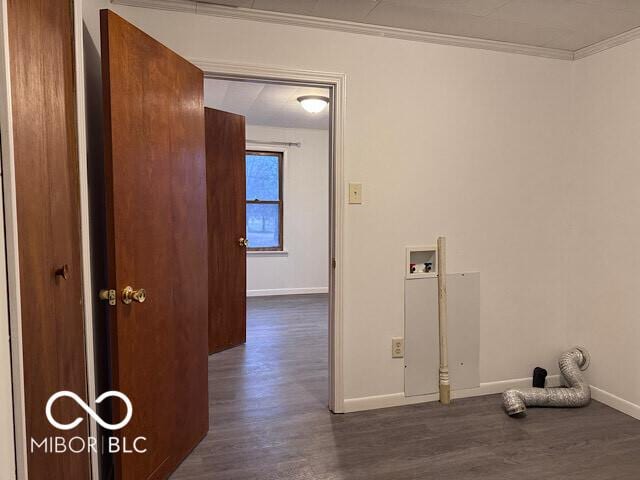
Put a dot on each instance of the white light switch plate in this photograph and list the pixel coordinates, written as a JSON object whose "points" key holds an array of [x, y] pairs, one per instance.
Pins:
{"points": [[397, 347], [355, 193]]}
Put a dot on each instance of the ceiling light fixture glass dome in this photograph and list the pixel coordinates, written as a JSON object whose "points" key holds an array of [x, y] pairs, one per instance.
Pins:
{"points": [[313, 103]]}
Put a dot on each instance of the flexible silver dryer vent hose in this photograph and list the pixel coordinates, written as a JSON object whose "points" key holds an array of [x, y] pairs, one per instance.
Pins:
{"points": [[576, 394]]}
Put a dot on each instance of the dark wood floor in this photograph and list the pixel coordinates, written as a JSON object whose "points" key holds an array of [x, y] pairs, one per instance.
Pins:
{"points": [[269, 421]]}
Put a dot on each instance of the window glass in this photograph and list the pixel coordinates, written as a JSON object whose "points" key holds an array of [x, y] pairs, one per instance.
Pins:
{"points": [[263, 225], [264, 205], [263, 177]]}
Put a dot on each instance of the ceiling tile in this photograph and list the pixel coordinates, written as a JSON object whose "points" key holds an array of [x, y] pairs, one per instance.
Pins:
{"points": [[575, 40], [568, 14], [461, 24], [632, 5], [265, 104], [300, 7], [558, 13], [242, 95], [471, 7], [215, 91], [564, 24], [512, 32], [353, 10]]}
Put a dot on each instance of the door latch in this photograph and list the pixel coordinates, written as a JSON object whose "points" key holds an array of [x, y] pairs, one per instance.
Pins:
{"points": [[109, 295]]}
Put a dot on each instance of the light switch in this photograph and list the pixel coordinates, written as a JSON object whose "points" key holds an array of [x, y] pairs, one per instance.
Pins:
{"points": [[355, 193]]}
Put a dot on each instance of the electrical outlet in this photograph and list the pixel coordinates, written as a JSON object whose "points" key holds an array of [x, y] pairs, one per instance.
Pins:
{"points": [[397, 347], [355, 193]]}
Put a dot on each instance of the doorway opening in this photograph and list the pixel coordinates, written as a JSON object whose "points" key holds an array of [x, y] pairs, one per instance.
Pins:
{"points": [[335, 84], [291, 362], [290, 242]]}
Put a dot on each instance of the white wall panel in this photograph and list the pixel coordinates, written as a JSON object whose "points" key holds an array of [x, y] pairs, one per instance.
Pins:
{"points": [[422, 359], [421, 353], [463, 309]]}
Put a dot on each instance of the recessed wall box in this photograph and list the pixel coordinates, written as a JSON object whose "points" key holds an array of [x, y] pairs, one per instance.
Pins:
{"points": [[421, 262]]}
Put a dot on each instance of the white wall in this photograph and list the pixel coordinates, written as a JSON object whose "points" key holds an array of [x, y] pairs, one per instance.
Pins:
{"points": [[446, 140], [304, 269], [604, 307]]}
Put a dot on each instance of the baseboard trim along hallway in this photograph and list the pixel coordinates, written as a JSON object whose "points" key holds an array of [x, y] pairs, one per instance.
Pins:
{"points": [[489, 388], [398, 399], [286, 291]]}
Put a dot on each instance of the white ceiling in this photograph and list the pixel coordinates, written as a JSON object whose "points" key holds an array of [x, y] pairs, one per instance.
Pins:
{"points": [[561, 24], [265, 104]]}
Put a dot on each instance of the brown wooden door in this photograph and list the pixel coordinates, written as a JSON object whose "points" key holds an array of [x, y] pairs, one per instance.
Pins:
{"points": [[226, 206], [157, 240], [48, 216]]}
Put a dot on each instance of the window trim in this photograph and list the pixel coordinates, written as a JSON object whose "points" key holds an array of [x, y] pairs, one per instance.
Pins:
{"points": [[280, 202]]}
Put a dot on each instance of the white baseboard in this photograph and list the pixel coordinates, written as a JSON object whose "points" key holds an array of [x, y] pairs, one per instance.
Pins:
{"points": [[398, 399], [489, 388], [616, 403], [385, 401], [286, 291]]}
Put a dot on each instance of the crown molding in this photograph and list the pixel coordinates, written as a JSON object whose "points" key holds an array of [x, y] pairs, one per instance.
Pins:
{"points": [[607, 44], [347, 27]]}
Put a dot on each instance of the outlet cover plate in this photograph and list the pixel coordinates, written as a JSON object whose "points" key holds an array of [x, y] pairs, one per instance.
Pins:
{"points": [[397, 347]]}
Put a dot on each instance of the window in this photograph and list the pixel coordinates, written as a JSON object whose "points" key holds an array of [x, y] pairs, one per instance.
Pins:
{"points": [[264, 200]]}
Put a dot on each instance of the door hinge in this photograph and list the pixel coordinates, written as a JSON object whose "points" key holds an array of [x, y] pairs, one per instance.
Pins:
{"points": [[333, 263], [109, 295]]}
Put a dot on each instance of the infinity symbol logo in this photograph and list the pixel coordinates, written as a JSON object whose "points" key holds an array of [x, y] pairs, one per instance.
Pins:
{"points": [[89, 410]]}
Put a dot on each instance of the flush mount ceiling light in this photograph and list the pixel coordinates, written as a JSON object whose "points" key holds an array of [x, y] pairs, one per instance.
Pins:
{"points": [[313, 103]]}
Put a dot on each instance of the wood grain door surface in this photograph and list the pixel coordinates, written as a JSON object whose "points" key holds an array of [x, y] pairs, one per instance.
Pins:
{"points": [[226, 205], [43, 89], [157, 240]]}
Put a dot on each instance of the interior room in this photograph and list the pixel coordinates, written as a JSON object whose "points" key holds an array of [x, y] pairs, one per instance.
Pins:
{"points": [[432, 276], [277, 123]]}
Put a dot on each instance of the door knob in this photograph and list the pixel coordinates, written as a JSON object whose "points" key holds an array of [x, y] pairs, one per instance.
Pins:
{"points": [[243, 242], [130, 295], [63, 272]]}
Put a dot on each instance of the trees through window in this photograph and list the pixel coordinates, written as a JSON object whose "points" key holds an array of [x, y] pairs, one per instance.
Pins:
{"points": [[264, 200]]}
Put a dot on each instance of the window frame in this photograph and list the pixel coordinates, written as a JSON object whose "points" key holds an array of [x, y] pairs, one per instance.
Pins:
{"points": [[279, 202]]}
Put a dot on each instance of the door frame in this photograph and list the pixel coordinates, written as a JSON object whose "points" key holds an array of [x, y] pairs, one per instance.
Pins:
{"points": [[10, 314], [336, 83], [85, 231]]}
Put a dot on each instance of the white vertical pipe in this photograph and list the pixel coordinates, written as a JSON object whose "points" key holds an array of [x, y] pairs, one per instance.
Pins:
{"points": [[445, 387]]}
